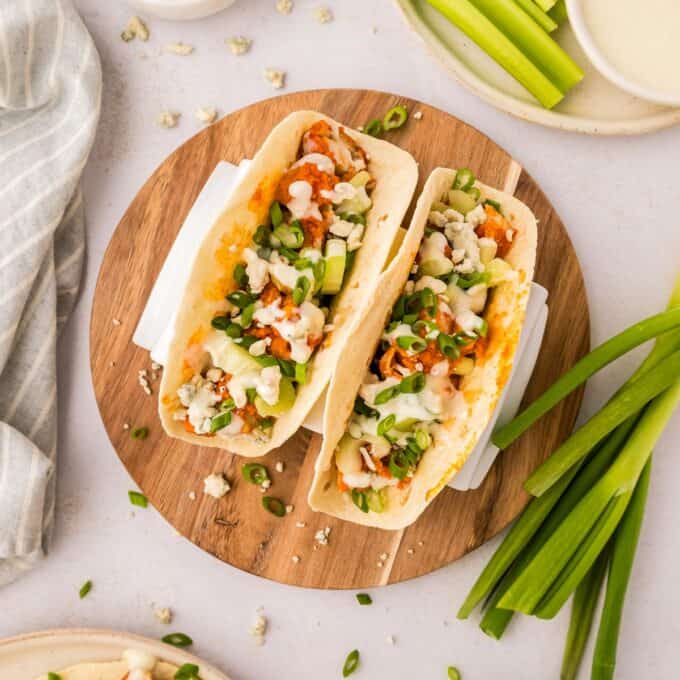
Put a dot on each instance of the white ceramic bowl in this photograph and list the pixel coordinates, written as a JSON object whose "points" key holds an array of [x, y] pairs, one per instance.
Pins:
{"points": [[180, 10], [604, 66]]}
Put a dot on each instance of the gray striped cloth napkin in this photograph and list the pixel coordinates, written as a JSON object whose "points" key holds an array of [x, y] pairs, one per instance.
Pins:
{"points": [[50, 91]]}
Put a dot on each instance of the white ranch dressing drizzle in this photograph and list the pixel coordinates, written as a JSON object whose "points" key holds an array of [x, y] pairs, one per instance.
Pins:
{"points": [[301, 205], [639, 39]]}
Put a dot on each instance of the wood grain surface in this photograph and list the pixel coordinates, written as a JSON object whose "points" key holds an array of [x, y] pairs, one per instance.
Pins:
{"points": [[235, 528]]}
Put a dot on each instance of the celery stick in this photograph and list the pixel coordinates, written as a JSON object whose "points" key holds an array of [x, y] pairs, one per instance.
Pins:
{"points": [[526, 592], [598, 358], [622, 405], [582, 613], [623, 554], [478, 28], [533, 41], [559, 13], [543, 19], [546, 5]]}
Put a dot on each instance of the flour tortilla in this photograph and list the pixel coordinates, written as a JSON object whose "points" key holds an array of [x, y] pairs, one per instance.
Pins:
{"points": [[110, 670], [396, 175], [479, 391]]}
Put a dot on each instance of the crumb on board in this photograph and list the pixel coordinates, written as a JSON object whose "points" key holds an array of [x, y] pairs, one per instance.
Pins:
{"points": [[390, 639], [289, 509], [126, 426], [279, 467], [206, 114], [192, 495], [143, 381], [168, 119], [216, 485], [163, 615], [239, 45], [296, 559], [136, 28], [300, 525], [323, 14], [284, 6], [116, 322], [418, 115], [276, 77], [321, 536]]}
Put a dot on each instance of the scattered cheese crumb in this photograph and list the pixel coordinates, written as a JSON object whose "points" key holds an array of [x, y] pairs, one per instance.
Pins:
{"points": [[418, 115], [300, 525], [421, 543], [275, 77], [239, 45], [143, 381], [279, 466], [323, 14], [411, 551], [136, 28], [168, 119], [192, 495], [206, 114], [163, 615], [265, 485], [390, 639], [258, 629], [284, 6], [126, 426], [380, 565], [116, 322], [321, 536], [155, 366], [296, 559], [289, 509], [383, 556], [216, 485], [182, 49]]}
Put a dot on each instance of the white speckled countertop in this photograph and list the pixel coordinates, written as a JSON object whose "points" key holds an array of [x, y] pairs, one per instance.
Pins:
{"points": [[619, 198]]}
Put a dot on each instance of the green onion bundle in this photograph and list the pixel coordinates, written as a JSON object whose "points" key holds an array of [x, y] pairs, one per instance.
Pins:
{"points": [[584, 521], [516, 34]]}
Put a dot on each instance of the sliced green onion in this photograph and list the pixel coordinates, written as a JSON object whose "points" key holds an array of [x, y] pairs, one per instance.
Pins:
{"points": [[411, 342], [276, 214], [351, 663], [220, 421], [453, 673], [240, 275], [251, 393], [395, 118], [363, 409], [500, 48], [287, 367], [234, 330], [240, 299], [359, 499], [262, 234], [140, 433], [412, 384], [138, 499], [376, 500], [246, 341], [386, 424], [399, 308], [255, 473], [474, 192], [274, 505], [291, 235], [448, 346], [385, 395], [464, 179], [483, 329], [598, 358], [494, 204], [85, 589], [301, 289], [187, 671], [177, 640], [374, 128], [364, 598], [320, 272], [53, 676], [220, 323], [398, 464], [303, 263], [423, 440]]}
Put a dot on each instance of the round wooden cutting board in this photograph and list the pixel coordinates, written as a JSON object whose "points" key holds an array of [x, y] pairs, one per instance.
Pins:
{"points": [[235, 528]]}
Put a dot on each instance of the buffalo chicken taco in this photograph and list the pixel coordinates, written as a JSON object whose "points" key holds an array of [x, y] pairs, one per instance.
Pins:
{"points": [[278, 282], [430, 357]]}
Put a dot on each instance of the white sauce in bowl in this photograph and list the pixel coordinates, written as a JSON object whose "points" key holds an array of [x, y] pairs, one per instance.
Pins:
{"points": [[640, 39]]}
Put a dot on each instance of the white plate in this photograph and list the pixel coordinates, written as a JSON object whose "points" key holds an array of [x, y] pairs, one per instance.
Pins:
{"points": [[595, 106], [27, 656]]}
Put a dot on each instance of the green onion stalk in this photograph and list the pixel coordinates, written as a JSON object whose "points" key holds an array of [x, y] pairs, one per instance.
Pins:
{"points": [[560, 536]]}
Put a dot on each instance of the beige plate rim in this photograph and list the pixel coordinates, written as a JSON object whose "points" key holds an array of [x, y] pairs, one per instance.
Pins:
{"points": [[32, 654], [525, 110]]}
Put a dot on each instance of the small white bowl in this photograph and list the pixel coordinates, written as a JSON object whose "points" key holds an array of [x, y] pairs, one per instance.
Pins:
{"points": [[180, 10], [604, 66]]}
